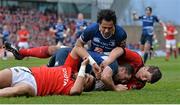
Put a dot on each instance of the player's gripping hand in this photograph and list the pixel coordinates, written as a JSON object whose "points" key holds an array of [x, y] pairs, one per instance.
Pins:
{"points": [[85, 61], [104, 64], [121, 87], [97, 70]]}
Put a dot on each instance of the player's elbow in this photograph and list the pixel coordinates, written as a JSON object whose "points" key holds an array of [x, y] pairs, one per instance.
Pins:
{"points": [[79, 43], [76, 92]]}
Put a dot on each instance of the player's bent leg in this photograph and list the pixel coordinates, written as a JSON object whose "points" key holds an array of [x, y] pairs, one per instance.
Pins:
{"points": [[174, 51], [53, 49], [5, 78], [61, 55], [21, 89], [167, 53], [146, 51], [142, 47]]}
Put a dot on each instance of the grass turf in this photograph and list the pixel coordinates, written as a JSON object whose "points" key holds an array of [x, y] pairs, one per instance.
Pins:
{"points": [[166, 91]]}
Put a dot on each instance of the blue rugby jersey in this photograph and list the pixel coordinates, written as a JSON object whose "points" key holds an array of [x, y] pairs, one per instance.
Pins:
{"points": [[5, 34], [148, 23], [98, 41], [60, 29]]}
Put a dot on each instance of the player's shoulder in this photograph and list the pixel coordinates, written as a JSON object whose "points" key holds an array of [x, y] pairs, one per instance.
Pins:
{"points": [[93, 26], [120, 31], [154, 16]]}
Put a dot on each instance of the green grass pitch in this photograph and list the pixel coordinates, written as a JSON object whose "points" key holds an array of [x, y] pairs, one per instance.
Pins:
{"points": [[166, 91]]}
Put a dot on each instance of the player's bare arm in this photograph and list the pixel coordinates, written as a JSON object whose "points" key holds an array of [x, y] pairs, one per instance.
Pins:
{"points": [[78, 86]]}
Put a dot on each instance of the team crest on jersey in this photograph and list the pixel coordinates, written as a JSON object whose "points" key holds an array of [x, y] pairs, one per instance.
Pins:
{"points": [[112, 43], [96, 39]]}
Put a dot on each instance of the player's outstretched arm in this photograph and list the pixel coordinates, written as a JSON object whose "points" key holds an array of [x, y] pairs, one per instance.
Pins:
{"points": [[80, 52], [78, 86], [114, 54]]}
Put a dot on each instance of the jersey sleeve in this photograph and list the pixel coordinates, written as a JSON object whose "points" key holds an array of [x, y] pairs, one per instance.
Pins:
{"points": [[141, 17], [121, 37], [86, 34], [156, 19]]}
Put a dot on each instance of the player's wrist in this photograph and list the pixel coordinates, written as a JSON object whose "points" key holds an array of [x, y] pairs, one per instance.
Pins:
{"points": [[91, 60], [81, 72]]}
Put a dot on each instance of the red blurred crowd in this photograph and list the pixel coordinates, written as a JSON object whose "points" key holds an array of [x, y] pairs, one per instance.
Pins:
{"points": [[36, 22]]}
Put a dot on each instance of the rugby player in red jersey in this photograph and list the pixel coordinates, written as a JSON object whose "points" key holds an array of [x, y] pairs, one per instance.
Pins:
{"points": [[170, 33], [42, 81], [141, 74]]}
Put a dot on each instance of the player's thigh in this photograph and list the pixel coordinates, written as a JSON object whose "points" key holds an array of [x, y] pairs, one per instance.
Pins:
{"points": [[22, 89], [168, 44], [26, 45], [173, 43], [148, 44], [61, 55], [143, 39], [5, 78]]}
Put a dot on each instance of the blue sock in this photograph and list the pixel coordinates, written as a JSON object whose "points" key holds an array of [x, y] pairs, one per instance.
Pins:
{"points": [[145, 57]]}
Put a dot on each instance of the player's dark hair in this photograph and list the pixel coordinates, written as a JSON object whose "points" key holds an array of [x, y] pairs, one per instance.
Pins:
{"points": [[92, 86], [156, 74], [129, 68], [149, 8], [106, 14]]}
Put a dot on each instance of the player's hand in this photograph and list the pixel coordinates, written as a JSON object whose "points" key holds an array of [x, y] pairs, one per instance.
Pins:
{"points": [[120, 87], [134, 12], [85, 61], [99, 50], [104, 64], [97, 70]]}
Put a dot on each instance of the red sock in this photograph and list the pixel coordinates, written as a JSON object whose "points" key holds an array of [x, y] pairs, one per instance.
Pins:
{"points": [[39, 52], [167, 55], [175, 53]]}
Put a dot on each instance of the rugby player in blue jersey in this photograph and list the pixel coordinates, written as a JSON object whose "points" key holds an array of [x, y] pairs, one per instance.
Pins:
{"points": [[5, 35], [59, 29], [148, 21], [107, 41]]}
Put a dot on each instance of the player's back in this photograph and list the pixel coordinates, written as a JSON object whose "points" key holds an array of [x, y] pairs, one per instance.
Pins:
{"points": [[133, 58], [54, 80]]}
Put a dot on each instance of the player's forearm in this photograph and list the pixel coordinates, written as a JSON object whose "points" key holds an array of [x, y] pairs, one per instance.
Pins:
{"points": [[106, 78], [79, 43], [78, 86], [77, 89], [109, 84], [114, 54]]}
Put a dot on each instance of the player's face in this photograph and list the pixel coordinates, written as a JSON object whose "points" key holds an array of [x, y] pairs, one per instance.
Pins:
{"points": [[148, 12], [80, 16], [22, 27], [122, 76], [89, 79], [107, 28], [144, 75]]}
